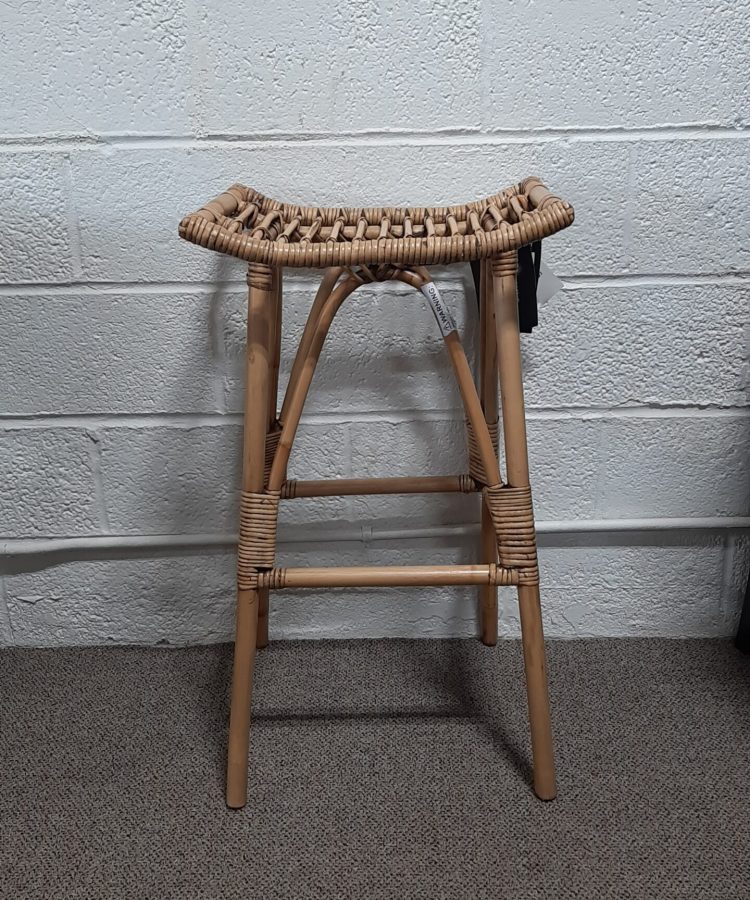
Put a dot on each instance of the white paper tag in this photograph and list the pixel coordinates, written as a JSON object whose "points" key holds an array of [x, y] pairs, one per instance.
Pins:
{"points": [[446, 322], [549, 284]]}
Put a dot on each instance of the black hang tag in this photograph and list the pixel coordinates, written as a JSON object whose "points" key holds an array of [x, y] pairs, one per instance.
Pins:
{"points": [[476, 268], [529, 263]]}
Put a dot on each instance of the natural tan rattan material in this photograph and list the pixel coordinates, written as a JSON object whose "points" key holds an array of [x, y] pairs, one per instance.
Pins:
{"points": [[357, 246], [244, 223]]}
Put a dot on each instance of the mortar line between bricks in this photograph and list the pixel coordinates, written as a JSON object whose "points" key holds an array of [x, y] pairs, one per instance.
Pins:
{"points": [[395, 417], [406, 137], [304, 284], [292, 285], [649, 280]]}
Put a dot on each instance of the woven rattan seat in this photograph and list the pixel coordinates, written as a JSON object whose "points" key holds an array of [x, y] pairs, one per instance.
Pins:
{"points": [[244, 223], [500, 236]]}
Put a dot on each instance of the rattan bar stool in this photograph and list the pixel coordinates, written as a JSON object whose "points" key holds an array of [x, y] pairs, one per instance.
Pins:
{"points": [[355, 246]]}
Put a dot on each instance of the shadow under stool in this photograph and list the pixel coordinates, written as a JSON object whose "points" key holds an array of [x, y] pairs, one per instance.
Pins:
{"points": [[355, 246]]}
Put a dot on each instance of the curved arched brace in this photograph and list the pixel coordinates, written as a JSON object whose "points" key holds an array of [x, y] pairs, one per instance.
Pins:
{"points": [[326, 305], [321, 316], [417, 278]]}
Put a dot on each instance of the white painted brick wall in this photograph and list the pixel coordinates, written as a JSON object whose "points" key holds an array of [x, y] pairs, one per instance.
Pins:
{"points": [[48, 482], [121, 353], [36, 244]]}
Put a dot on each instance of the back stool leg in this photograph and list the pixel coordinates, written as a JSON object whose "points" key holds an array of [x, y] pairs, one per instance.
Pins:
{"points": [[256, 423], [504, 270], [274, 344], [488, 396]]}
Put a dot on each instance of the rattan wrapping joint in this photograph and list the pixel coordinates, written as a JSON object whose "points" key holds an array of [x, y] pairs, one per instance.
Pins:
{"points": [[502, 576], [289, 489], [468, 484], [513, 517], [273, 579], [257, 544], [260, 276], [476, 468], [272, 444], [504, 264]]}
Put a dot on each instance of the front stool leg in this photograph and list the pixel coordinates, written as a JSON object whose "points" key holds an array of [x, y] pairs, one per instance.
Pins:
{"points": [[504, 269], [488, 396], [256, 421]]}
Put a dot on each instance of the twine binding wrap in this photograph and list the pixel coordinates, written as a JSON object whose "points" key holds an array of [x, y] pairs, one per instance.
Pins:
{"points": [[257, 544], [513, 517], [467, 484], [476, 468], [289, 489], [274, 579], [272, 443], [502, 576]]}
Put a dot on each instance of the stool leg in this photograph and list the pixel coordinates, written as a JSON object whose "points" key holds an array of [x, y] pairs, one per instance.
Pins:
{"points": [[504, 269], [261, 637], [273, 391], [256, 421], [242, 690], [488, 396]]}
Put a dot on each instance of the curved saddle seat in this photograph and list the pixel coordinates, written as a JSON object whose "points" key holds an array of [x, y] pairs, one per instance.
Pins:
{"points": [[243, 223]]}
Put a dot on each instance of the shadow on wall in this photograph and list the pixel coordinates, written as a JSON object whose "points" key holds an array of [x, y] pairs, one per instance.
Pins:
{"points": [[383, 353], [173, 478], [184, 479]]}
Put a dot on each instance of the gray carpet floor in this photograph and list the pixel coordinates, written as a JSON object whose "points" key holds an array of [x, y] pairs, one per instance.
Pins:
{"points": [[395, 769]]}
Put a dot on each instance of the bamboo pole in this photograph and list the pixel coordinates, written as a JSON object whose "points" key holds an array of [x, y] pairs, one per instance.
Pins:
{"points": [[418, 277], [256, 420], [327, 284], [376, 576], [489, 399], [537, 692], [297, 393], [509, 365], [514, 422], [344, 487], [472, 406], [274, 343]]}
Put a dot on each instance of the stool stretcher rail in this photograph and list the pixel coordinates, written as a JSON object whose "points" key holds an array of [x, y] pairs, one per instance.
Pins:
{"points": [[385, 576], [345, 487]]}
